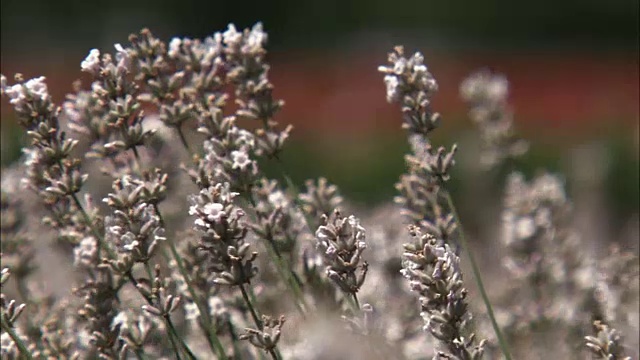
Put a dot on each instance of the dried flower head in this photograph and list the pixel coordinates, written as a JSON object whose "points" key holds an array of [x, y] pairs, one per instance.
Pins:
{"points": [[222, 235], [486, 94], [433, 271], [409, 82], [607, 344], [320, 198], [341, 242]]}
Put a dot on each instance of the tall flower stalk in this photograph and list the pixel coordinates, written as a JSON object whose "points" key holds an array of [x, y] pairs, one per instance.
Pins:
{"points": [[424, 197]]}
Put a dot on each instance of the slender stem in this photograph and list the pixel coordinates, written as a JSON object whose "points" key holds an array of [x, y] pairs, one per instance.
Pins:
{"points": [[136, 154], [207, 327], [139, 354], [21, 346], [274, 354], [171, 329], [286, 272], [177, 336], [476, 274], [174, 345], [96, 233], [256, 320], [252, 310], [355, 299], [234, 338], [183, 140]]}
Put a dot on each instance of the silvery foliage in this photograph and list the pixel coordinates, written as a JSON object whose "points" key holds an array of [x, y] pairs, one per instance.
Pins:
{"points": [[433, 271]]}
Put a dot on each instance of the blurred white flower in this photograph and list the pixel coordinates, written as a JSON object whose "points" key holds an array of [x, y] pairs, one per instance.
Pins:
{"points": [[174, 47], [91, 63], [232, 37]]}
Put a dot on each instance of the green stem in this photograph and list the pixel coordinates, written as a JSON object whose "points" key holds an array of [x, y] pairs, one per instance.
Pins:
{"points": [[476, 273], [286, 272], [21, 346], [274, 354], [234, 338], [252, 310], [254, 315], [139, 354], [183, 140], [177, 336], [174, 345], [355, 300], [206, 325], [172, 333], [96, 233]]}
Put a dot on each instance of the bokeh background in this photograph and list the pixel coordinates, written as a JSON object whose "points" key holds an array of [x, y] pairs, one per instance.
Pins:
{"points": [[573, 67]]}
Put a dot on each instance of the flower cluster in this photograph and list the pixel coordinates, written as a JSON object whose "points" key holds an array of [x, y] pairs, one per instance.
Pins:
{"points": [[52, 171], [10, 311], [222, 235], [486, 94], [99, 309], [134, 227], [278, 220], [607, 344], [341, 242], [409, 82], [248, 72], [320, 198], [228, 153], [546, 257], [110, 114], [617, 286], [535, 229], [422, 197], [433, 271], [190, 294], [268, 337], [18, 252]]}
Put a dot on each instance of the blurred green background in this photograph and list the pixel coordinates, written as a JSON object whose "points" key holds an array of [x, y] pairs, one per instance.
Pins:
{"points": [[573, 67]]}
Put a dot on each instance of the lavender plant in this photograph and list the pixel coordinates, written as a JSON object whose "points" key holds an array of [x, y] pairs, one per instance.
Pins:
{"points": [[220, 261], [424, 197], [545, 254]]}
